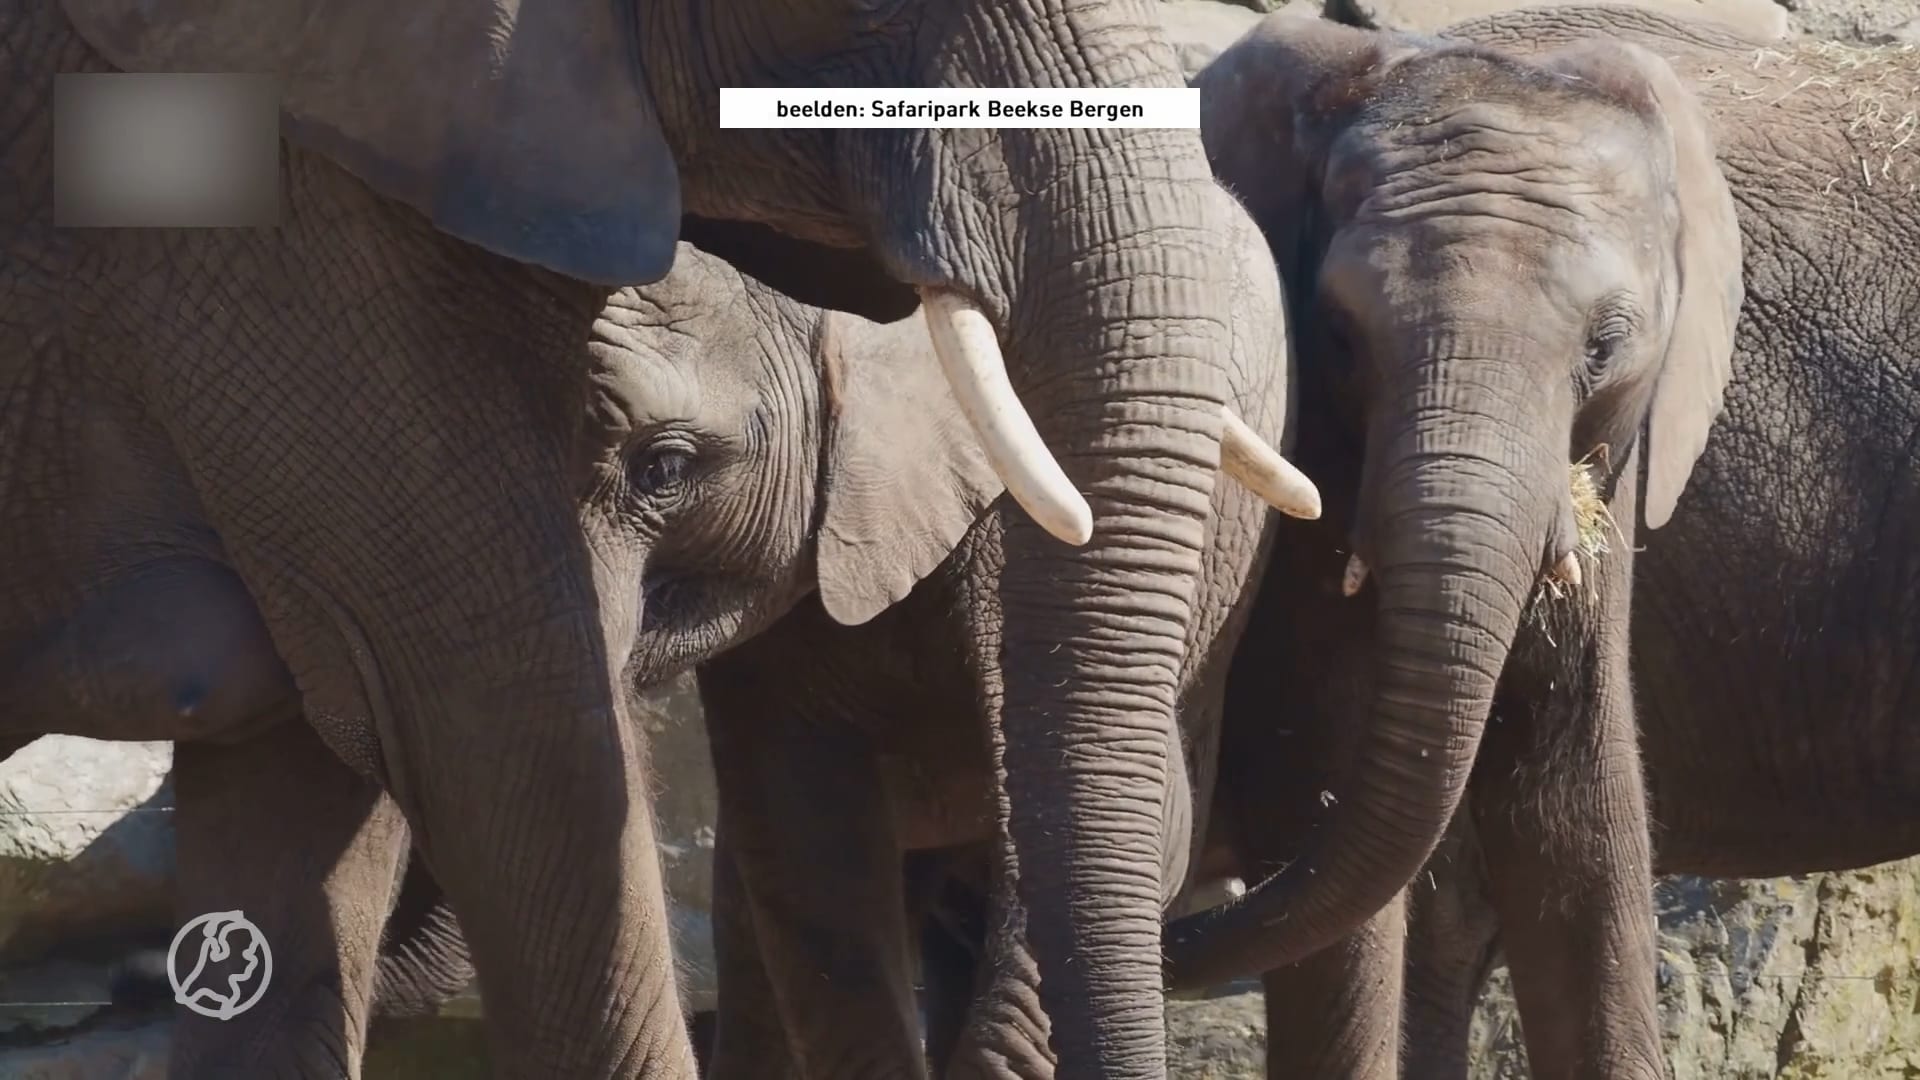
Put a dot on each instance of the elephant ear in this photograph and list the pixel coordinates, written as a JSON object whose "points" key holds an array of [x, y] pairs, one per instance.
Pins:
{"points": [[521, 128], [904, 476], [1271, 103], [1699, 359]]}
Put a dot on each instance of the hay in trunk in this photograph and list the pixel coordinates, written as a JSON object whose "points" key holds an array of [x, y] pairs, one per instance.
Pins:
{"points": [[1595, 531]]}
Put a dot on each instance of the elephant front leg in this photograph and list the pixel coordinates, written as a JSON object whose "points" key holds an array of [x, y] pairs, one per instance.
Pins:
{"points": [[1336, 1014], [748, 1038], [1560, 807], [1453, 941], [810, 833], [280, 830]]}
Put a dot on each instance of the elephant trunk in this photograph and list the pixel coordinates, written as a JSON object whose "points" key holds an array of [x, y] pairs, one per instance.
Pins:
{"points": [[1095, 258], [1090, 654], [1453, 528], [1119, 346], [560, 924]]}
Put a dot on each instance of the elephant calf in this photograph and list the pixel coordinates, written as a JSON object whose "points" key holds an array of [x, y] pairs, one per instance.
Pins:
{"points": [[1581, 286]]}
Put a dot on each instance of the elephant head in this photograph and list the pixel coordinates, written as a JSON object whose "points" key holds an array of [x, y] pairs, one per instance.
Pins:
{"points": [[1080, 268], [1507, 265]]}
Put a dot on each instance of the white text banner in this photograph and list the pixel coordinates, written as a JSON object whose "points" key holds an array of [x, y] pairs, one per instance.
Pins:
{"points": [[960, 107]]}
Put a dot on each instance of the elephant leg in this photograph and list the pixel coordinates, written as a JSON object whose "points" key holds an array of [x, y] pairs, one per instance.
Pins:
{"points": [[281, 830], [1006, 1036], [700, 1031], [1337, 1013], [951, 917], [1560, 808], [811, 836], [749, 1040], [1453, 941]]}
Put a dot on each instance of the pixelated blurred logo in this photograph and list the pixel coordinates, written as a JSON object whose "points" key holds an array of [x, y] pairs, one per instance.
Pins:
{"points": [[230, 965]]}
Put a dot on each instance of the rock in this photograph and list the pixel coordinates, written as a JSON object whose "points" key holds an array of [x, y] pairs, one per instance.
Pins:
{"points": [[86, 843], [59, 993], [1220, 1038], [1762, 20], [1808, 977], [1200, 29], [1859, 22]]}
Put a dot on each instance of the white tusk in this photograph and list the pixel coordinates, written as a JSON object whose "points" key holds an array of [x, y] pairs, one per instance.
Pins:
{"points": [[1246, 457], [1355, 576], [1566, 571], [969, 353]]}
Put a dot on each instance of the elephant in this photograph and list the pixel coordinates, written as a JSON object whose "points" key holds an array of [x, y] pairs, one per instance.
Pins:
{"points": [[882, 493], [843, 755], [1773, 617], [1790, 519], [319, 466], [1514, 279]]}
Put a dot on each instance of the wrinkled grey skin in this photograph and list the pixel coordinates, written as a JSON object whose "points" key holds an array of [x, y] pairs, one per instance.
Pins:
{"points": [[1500, 267], [703, 359], [1773, 617], [403, 583], [855, 436], [838, 751]]}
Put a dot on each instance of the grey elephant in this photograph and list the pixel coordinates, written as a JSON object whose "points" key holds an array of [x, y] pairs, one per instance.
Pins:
{"points": [[1770, 625], [1516, 282], [297, 455], [841, 752], [872, 489]]}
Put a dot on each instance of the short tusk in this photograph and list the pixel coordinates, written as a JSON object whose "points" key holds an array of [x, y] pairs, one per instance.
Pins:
{"points": [[1566, 571], [1246, 457], [970, 357], [1355, 576]]}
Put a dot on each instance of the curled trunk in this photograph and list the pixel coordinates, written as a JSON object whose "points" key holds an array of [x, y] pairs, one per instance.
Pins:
{"points": [[1457, 528]]}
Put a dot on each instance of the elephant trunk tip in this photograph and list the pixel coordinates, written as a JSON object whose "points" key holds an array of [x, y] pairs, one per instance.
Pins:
{"points": [[1354, 578]]}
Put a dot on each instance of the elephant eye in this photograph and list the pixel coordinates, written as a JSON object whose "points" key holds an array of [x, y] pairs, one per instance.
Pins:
{"points": [[661, 468], [1609, 333]]}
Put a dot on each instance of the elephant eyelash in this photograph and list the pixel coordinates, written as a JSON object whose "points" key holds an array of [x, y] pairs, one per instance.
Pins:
{"points": [[1599, 352], [663, 469], [1609, 332]]}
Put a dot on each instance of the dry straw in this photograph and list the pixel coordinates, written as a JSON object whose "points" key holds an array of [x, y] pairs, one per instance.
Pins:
{"points": [[1593, 524], [1880, 88]]}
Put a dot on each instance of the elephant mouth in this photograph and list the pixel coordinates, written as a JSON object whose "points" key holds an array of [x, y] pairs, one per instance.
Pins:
{"points": [[663, 597], [686, 618]]}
